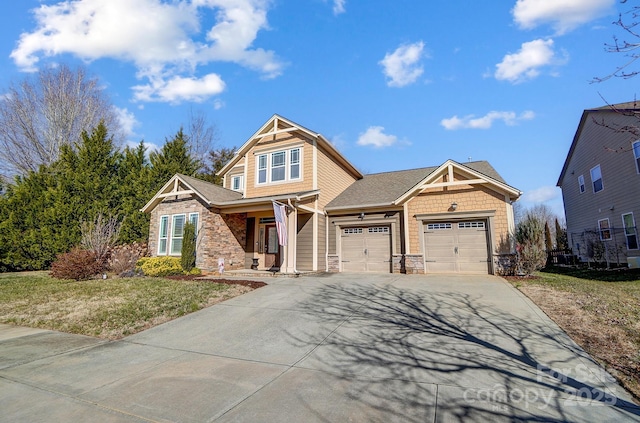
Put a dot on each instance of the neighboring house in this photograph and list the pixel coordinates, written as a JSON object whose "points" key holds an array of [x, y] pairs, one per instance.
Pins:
{"points": [[600, 183], [449, 218]]}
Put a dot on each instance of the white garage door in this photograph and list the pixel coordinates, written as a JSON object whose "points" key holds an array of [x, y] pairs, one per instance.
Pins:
{"points": [[366, 249], [456, 247]]}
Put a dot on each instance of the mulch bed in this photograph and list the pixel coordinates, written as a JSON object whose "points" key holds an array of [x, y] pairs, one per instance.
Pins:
{"points": [[251, 284]]}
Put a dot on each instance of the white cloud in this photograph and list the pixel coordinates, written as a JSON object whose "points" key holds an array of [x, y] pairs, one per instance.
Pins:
{"points": [[218, 104], [165, 41], [563, 15], [402, 67], [127, 120], [541, 195], [179, 89], [338, 6], [526, 63], [374, 136], [486, 121]]}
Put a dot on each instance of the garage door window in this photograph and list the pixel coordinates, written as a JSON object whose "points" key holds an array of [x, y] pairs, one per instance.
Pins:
{"points": [[348, 231], [437, 226], [469, 225], [382, 230]]}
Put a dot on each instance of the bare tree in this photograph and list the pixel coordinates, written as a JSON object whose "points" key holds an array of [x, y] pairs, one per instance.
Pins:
{"points": [[629, 46], [47, 110], [201, 135]]}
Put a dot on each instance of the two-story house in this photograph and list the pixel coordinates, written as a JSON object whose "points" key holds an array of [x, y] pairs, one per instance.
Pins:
{"points": [[600, 183], [456, 217]]}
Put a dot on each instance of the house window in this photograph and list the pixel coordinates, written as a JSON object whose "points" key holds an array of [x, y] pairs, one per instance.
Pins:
{"points": [[163, 236], [630, 231], [193, 219], [177, 232], [262, 169], [294, 164], [596, 179], [604, 229], [581, 184], [636, 154], [278, 166], [236, 183]]}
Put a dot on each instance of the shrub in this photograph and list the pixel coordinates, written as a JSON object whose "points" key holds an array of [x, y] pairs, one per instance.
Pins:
{"points": [[100, 236], [123, 258], [530, 247], [188, 253], [77, 264], [160, 266]]}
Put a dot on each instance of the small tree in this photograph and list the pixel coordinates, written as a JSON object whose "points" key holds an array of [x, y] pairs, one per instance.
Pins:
{"points": [[531, 247], [548, 241], [188, 252], [562, 242], [99, 236]]}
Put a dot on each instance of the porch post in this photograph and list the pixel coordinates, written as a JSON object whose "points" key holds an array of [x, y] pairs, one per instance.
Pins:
{"points": [[290, 249]]}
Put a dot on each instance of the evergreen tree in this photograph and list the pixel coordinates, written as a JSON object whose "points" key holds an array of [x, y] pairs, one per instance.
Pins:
{"points": [[188, 252], [172, 158], [136, 188], [562, 242], [216, 161], [548, 241]]}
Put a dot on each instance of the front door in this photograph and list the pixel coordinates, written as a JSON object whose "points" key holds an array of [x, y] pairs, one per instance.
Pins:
{"points": [[271, 248]]}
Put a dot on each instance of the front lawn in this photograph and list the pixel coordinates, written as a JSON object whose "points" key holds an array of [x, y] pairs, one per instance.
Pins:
{"points": [[110, 308], [599, 309]]}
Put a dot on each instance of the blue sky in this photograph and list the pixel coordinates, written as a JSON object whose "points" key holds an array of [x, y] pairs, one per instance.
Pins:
{"points": [[393, 84]]}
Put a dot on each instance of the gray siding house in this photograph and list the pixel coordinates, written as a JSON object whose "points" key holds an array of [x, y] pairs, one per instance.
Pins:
{"points": [[600, 183]]}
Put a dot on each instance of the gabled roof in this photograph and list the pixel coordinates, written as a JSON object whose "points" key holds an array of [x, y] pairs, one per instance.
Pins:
{"points": [[277, 125], [215, 195], [393, 188], [209, 193], [611, 108]]}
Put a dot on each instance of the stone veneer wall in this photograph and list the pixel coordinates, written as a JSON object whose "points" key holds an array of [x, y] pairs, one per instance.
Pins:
{"points": [[333, 263], [413, 263], [219, 236]]}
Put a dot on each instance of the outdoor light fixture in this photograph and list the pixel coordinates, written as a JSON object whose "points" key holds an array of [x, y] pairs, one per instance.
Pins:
{"points": [[454, 206], [362, 216]]}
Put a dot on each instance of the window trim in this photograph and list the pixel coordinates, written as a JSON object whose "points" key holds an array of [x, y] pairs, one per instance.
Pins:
{"points": [[602, 230], [634, 228], [581, 185], [288, 166], [174, 237], [164, 218], [635, 147], [593, 181], [240, 179], [193, 221]]}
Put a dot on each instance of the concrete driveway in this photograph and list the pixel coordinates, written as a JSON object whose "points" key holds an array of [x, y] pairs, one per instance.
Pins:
{"points": [[335, 348]]}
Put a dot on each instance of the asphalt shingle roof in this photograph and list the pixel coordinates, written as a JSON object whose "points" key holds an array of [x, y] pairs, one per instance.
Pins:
{"points": [[386, 187], [213, 193]]}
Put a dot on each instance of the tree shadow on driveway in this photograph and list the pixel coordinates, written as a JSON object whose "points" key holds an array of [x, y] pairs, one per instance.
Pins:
{"points": [[459, 354]]}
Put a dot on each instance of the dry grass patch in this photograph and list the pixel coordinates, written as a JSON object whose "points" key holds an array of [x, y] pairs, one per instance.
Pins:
{"points": [[108, 309], [600, 311]]}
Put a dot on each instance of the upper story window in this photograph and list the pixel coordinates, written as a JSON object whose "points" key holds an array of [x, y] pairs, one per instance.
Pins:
{"points": [[581, 183], [279, 166], [237, 183], [596, 179], [636, 154]]}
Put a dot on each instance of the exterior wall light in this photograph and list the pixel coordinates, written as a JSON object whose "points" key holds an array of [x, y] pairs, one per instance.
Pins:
{"points": [[454, 206]]}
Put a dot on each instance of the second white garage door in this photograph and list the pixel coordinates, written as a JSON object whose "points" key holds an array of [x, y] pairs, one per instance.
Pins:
{"points": [[366, 249], [456, 247]]}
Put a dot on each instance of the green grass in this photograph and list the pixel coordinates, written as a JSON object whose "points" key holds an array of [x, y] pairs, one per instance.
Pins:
{"points": [[110, 308]]}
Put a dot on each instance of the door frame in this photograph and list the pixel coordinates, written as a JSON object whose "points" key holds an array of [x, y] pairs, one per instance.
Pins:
{"points": [[278, 253]]}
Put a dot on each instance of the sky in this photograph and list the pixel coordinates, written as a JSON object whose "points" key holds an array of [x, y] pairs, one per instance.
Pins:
{"points": [[392, 84]]}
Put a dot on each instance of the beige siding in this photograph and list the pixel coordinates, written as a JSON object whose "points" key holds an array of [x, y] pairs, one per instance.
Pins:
{"points": [[322, 242], [304, 254], [282, 142], [332, 178], [468, 199], [599, 145]]}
